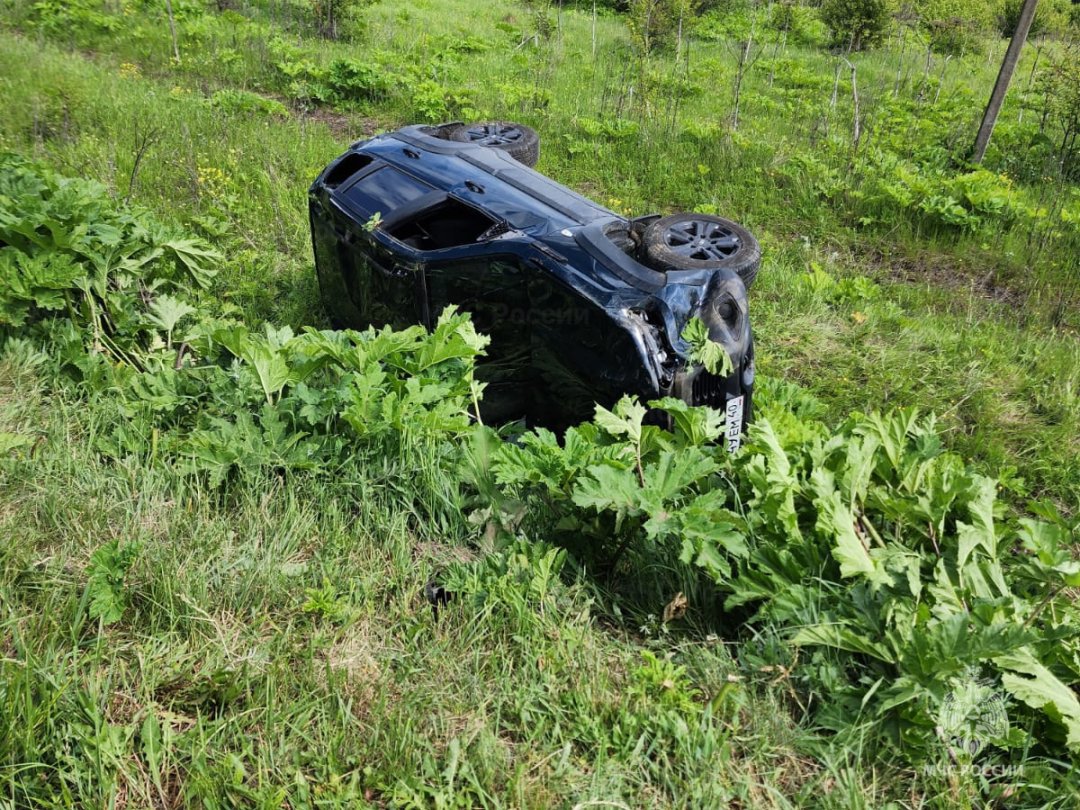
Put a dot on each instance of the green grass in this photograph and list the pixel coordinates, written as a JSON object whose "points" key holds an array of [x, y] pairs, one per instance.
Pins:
{"points": [[277, 648], [227, 685]]}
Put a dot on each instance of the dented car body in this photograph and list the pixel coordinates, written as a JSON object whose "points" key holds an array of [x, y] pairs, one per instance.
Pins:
{"points": [[406, 223]]}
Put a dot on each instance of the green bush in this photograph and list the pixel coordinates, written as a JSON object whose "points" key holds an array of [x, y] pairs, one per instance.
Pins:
{"points": [[1059, 85], [65, 247], [801, 24], [955, 26], [655, 24], [78, 19], [342, 82], [243, 102], [869, 547], [857, 24], [1052, 17], [114, 296]]}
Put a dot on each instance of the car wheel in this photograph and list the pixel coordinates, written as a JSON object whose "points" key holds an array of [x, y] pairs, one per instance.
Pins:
{"points": [[702, 242], [520, 141]]}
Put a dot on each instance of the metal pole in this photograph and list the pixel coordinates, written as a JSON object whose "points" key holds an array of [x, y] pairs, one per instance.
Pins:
{"points": [[1008, 65]]}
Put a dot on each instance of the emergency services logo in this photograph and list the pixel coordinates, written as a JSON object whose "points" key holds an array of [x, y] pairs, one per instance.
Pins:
{"points": [[971, 716]]}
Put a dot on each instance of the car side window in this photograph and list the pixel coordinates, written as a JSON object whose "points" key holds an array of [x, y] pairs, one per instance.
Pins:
{"points": [[449, 223]]}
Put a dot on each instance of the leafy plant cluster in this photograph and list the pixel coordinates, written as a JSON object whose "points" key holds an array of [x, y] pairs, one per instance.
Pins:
{"points": [[873, 552], [118, 274], [344, 81], [244, 102], [349, 82], [66, 18], [909, 170], [857, 24], [197, 388], [1051, 16]]}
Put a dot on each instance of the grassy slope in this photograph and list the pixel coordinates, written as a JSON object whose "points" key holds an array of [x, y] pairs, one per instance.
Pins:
{"points": [[262, 697]]}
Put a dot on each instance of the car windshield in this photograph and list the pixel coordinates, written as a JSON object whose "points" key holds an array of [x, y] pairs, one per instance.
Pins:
{"points": [[384, 190]]}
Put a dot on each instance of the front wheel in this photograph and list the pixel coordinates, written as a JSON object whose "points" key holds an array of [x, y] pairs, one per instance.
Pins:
{"points": [[702, 242], [521, 142]]}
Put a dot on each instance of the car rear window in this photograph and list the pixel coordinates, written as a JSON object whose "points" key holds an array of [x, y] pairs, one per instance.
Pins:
{"points": [[384, 190]]}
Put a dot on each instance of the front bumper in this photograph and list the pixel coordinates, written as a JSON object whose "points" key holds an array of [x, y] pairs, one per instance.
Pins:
{"points": [[733, 395]]}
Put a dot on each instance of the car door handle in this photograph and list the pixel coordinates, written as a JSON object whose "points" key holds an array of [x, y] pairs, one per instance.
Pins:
{"points": [[394, 271]]}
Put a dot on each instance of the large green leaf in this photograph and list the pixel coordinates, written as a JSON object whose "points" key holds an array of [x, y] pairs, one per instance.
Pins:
{"points": [[625, 420], [980, 533], [773, 479], [195, 256], [705, 350], [609, 487], [836, 521], [1033, 683], [166, 312], [699, 425], [270, 366], [675, 471], [841, 637]]}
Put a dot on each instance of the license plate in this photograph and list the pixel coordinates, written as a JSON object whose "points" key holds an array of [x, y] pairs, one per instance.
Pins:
{"points": [[734, 413]]}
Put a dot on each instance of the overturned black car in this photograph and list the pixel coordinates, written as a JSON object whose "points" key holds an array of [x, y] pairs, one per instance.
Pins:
{"points": [[582, 305]]}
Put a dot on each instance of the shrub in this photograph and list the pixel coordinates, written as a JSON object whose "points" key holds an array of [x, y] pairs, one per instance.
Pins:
{"points": [[857, 24], [655, 24], [954, 26], [351, 80], [75, 19], [344, 81], [113, 297], [1051, 17], [801, 24], [1059, 83], [332, 18], [870, 547], [245, 103]]}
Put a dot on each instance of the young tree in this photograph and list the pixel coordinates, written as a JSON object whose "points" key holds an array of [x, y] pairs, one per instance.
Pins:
{"points": [[1051, 18], [172, 29], [658, 24], [857, 24], [329, 14], [955, 26], [1060, 86]]}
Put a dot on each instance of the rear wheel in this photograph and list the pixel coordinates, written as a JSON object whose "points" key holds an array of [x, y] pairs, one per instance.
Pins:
{"points": [[521, 142], [702, 242]]}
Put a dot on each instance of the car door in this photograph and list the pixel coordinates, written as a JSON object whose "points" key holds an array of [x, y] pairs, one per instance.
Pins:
{"points": [[494, 291]]}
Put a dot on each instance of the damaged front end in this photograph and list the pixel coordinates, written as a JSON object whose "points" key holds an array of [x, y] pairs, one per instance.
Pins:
{"points": [[720, 301]]}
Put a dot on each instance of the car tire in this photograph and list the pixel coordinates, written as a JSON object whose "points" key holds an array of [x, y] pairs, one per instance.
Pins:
{"points": [[521, 142], [689, 241]]}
